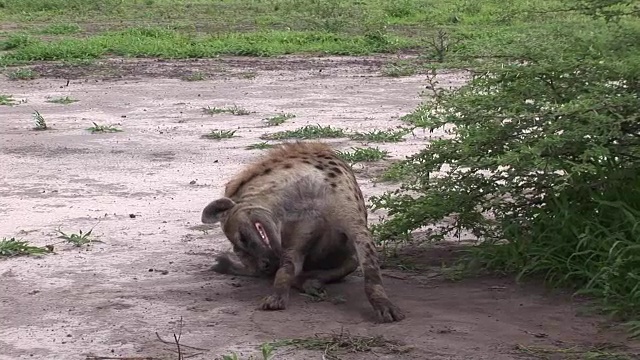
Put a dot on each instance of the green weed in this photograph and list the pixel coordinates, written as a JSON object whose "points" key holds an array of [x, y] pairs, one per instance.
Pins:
{"points": [[363, 154], [22, 74], [399, 69], [250, 75], [234, 110], [380, 136], [15, 41], [278, 119], [266, 351], [61, 29], [398, 171], [62, 100], [634, 328], [340, 27], [259, 146], [164, 43], [338, 343], [7, 100], [40, 123], [195, 76], [78, 239], [12, 247], [306, 132], [219, 134], [78, 62], [103, 128], [575, 352], [530, 164]]}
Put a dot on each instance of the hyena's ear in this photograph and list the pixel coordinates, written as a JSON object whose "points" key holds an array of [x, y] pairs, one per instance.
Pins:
{"points": [[212, 212]]}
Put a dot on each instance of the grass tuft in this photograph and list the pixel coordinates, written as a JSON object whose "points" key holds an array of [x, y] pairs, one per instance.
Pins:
{"points": [[234, 110], [338, 343], [278, 119], [219, 134], [78, 239], [195, 76], [15, 41], [381, 136], [574, 352], [61, 29], [103, 129], [23, 74], [398, 171], [62, 100], [7, 100], [306, 132], [266, 350], [40, 123], [260, 146], [363, 154], [13, 247], [399, 69]]}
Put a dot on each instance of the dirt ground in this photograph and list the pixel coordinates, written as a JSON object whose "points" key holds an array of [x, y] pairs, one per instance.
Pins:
{"points": [[144, 189]]}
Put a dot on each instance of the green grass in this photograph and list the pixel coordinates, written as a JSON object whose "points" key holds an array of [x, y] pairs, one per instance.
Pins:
{"points": [[13, 247], [260, 146], [62, 100], [307, 132], [219, 134], [234, 110], [381, 136], [363, 154], [603, 352], [22, 74], [333, 345], [195, 76], [61, 29], [40, 122], [278, 119], [398, 171], [7, 100], [442, 30], [234, 14], [14, 41], [166, 43], [101, 129], [77, 239], [266, 353], [399, 69]]}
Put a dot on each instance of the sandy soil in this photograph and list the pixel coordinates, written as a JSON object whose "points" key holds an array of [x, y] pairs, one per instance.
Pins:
{"points": [[144, 188]]}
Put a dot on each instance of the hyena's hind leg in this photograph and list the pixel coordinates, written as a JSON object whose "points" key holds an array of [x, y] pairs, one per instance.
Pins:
{"points": [[386, 311], [312, 282], [333, 264]]}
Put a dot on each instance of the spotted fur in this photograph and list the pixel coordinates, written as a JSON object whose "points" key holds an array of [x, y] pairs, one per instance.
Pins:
{"points": [[299, 212]]}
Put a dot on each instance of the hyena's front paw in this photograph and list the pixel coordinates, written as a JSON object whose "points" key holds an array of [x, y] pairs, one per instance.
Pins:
{"points": [[387, 311], [274, 302], [223, 264]]}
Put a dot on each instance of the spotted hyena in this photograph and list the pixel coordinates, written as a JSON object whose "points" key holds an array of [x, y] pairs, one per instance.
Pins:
{"points": [[298, 213]]}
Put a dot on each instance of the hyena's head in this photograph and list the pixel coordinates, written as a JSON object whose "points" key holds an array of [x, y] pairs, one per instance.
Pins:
{"points": [[251, 229]]}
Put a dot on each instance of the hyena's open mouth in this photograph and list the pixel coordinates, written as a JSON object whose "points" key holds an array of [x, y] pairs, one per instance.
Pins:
{"points": [[263, 233]]}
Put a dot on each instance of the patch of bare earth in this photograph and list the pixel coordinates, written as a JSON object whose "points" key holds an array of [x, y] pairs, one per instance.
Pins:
{"points": [[144, 188]]}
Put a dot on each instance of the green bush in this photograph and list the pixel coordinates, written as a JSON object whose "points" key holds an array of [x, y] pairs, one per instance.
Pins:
{"points": [[542, 163]]}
